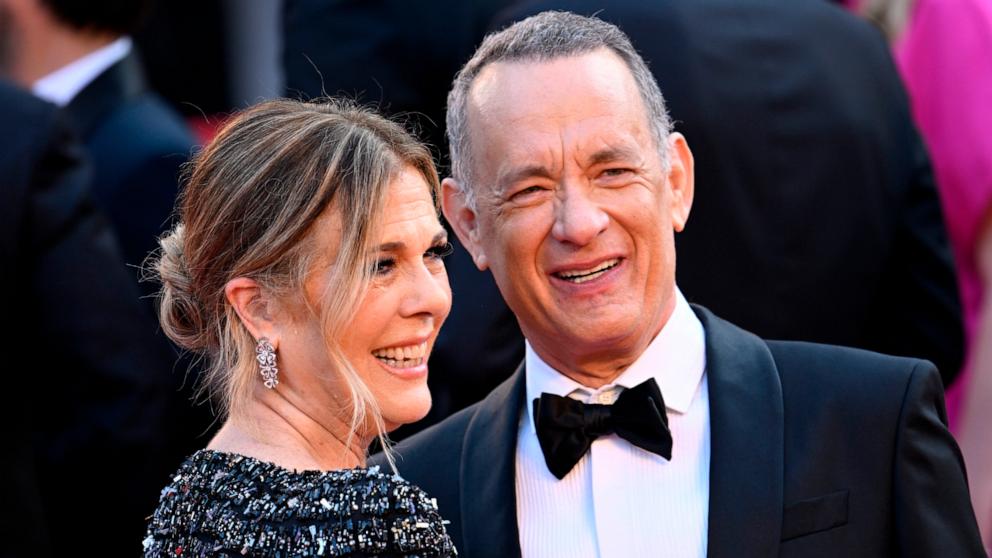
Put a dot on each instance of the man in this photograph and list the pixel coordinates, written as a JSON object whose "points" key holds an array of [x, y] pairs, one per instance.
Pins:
{"points": [[79, 55], [794, 110], [690, 437], [85, 414]]}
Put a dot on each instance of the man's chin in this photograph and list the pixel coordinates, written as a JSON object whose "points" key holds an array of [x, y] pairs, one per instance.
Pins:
{"points": [[594, 336]]}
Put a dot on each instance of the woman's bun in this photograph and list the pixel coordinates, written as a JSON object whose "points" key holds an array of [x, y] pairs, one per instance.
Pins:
{"points": [[180, 312]]}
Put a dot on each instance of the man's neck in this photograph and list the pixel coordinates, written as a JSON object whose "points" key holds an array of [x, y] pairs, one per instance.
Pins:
{"points": [[40, 54], [592, 371], [599, 365]]}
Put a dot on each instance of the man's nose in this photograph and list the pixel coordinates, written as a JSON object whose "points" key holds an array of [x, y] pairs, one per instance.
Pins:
{"points": [[578, 218]]}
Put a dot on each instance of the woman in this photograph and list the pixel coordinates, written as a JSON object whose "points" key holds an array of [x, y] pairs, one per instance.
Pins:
{"points": [[307, 269]]}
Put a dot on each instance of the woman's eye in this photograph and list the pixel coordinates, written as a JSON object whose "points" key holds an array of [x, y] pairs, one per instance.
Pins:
{"points": [[440, 251], [383, 266]]}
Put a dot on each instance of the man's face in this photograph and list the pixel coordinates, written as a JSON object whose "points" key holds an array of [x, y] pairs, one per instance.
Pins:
{"points": [[6, 38], [575, 214]]}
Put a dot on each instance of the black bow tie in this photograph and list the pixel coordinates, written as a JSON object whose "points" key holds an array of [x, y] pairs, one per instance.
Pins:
{"points": [[566, 427]]}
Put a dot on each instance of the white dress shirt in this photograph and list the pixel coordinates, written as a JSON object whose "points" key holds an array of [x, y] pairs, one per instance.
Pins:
{"points": [[621, 501], [62, 85]]}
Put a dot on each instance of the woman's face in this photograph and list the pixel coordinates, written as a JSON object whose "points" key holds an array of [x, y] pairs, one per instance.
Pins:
{"points": [[394, 329]]}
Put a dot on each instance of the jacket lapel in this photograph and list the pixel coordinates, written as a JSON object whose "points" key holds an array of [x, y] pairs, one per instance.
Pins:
{"points": [[488, 471], [746, 463], [747, 442], [118, 84]]}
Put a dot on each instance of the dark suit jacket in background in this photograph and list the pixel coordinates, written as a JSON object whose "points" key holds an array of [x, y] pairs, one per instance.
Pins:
{"points": [[815, 216], [86, 395], [402, 56], [816, 451], [136, 144]]}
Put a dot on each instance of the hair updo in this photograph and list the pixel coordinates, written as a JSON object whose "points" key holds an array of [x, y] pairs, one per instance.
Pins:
{"points": [[248, 207]]}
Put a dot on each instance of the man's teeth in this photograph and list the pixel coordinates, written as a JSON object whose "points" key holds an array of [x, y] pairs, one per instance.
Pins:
{"points": [[583, 275], [403, 357]]}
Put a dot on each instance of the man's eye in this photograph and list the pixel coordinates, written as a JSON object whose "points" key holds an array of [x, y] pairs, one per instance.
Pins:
{"points": [[440, 251], [620, 171], [527, 191]]}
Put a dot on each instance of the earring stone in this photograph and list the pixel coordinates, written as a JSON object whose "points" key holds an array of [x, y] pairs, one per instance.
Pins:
{"points": [[265, 354]]}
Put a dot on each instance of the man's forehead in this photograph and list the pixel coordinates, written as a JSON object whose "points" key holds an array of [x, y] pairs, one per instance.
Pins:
{"points": [[518, 86], [525, 106]]}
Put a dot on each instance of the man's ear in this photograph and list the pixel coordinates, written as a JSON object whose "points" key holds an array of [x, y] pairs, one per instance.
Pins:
{"points": [[463, 219], [256, 312], [681, 179]]}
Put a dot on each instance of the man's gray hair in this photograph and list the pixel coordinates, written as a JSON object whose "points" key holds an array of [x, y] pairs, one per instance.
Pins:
{"points": [[544, 37]]}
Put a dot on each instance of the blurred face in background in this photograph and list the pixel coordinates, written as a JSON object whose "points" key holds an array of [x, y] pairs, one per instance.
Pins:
{"points": [[6, 39]]}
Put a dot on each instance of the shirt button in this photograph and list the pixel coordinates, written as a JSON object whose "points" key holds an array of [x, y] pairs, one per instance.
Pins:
{"points": [[607, 397]]}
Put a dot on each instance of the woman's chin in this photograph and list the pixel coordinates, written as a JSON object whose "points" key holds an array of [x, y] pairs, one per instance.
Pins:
{"points": [[407, 410]]}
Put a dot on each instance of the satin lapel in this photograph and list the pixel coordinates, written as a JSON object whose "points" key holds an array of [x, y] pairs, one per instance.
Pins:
{"points": [[747, 442], [488, 472]]}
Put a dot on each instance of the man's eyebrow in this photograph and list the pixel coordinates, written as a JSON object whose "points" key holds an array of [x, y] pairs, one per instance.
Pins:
{"points": [[399, 245], [530, 171], [611, 154]]}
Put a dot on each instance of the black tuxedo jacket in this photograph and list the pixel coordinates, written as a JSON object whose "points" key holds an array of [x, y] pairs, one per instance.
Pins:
{"points": [[816, 451], [815, 216]]}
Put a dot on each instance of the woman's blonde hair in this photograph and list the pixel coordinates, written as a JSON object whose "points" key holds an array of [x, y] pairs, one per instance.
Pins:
{"points": [[248, 208]]}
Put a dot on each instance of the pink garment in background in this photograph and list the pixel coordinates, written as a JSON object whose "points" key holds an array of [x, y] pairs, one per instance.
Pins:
{"points": [[945, 58]]}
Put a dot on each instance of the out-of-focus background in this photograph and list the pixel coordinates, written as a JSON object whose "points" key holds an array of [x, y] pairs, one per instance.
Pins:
{"points": [[844, 195]]}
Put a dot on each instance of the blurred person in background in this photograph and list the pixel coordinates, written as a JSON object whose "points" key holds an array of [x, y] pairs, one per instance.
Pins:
{"points": [[85, 412], [944, 52], [307, 267], [79, 55]]}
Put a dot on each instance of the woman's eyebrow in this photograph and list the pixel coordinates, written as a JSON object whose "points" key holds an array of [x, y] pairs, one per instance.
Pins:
{"points": [[400, 245]]}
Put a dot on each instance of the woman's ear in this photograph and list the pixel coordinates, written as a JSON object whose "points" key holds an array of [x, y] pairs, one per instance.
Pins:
{"points": [[256, 311]]}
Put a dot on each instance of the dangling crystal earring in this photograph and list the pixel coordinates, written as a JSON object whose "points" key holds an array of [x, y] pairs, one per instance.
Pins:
{"points": [[266, 356]]}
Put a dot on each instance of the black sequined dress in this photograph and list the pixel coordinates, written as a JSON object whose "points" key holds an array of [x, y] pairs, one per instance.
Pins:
{"points": [[222, 504]]}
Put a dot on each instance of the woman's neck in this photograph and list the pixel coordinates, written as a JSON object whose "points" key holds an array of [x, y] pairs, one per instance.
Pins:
{"points": [[274, 428]]}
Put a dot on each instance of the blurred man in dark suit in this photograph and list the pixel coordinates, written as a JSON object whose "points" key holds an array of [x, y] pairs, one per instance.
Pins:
{"points": [[87, 396], [79, 55]]}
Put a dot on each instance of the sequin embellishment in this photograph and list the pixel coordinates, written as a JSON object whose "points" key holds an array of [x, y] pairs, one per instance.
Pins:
{"points": [[222, 504]]}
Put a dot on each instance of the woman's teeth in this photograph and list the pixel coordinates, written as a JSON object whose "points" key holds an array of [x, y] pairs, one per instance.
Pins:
{"points": [[402, 357], [583, 275]]}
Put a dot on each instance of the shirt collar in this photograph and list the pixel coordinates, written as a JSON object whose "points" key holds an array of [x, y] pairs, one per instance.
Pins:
{"points": [[62, 85], [675, 358]]}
